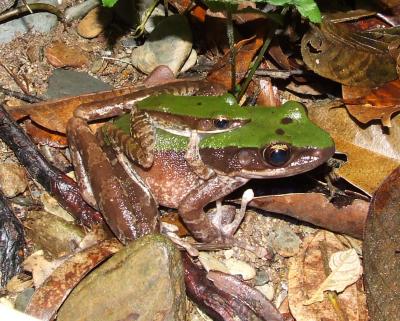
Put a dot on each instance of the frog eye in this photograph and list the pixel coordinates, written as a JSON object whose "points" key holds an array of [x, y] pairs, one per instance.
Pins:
{"points": [[277, 154], [221, 123]]}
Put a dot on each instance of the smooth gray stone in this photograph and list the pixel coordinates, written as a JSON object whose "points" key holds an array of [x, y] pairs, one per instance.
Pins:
{"points": [[142, 282], [42, 22], [64, 83]]}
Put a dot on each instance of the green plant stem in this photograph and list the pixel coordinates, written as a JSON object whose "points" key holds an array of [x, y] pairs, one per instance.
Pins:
{"points": [[231, 41], [255, 64], [140, 28]]}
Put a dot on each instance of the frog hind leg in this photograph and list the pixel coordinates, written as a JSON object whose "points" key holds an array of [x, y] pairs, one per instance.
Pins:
{"points": [[138, 146], [199, 223]]}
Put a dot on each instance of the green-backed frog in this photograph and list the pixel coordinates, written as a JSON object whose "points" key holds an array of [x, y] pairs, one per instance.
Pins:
{"points": [[190, 151]]}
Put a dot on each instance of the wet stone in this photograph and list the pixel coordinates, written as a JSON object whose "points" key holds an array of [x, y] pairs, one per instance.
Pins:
{"points": [[64, 83], [13, 180], [169, 44], [94, 22], [144, 281], [286, 242], [53, 234]]}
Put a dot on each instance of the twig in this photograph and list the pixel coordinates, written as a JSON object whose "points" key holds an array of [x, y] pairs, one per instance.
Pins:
{"points": [[280, 74], [15, 78], [256, 64], [28, 98], [231, 40], [11, 242], [33, 7], [59, 185]]}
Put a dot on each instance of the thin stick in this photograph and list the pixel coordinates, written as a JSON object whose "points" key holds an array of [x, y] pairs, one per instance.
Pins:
{"points": [[231, 41], [255, 64]]}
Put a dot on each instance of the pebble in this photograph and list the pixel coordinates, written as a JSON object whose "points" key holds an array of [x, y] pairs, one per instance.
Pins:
{"points": [[210, 262], [237, 267], [60, 55], [13, 180], [267, 290], [80, 10], [262, 277], [42, 22], [143, 281], [53, 234], [190, 62], [6, 4], [64, 83], [94, 22], [23, 298], [286, 242], [169, 44]]}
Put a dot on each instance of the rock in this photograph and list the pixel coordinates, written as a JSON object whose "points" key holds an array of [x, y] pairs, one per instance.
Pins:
{"points": [[53, 234], [23, 298], [60, 55], [80, 10], [64, 83], [169, 44], [42, 22], [13, 180], [190, 62], [156, 17], [286, 242], [262, 277], [6, 4], [237, 267], [267, 290], [94, 22], [144, 281], [210, 262]]}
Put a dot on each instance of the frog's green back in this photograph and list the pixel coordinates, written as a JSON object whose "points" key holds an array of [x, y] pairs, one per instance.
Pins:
{"points": [[288, 123]]}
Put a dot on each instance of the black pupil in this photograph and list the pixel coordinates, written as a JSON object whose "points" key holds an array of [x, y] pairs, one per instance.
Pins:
{"points": [[221, 123], [278, 157]]}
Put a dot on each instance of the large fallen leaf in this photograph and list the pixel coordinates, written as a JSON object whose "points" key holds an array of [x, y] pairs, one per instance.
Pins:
{"points": [[346, 269], [367, 104], [353, 58], [381, 251], [54, 114], [306, 273], [371, 153], [316, 209]]}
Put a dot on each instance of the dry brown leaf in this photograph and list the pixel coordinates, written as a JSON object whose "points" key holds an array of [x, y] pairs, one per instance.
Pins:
{"points": [[40, 267], [353, 58], [346, 270], [315, 208], [372, 153], [367, 104], [245, 52], [306, 273]]}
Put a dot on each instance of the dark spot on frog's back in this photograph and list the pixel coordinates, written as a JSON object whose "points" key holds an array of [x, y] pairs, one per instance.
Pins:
{"points": [[286, 120], [279, 131], [199, 103]]}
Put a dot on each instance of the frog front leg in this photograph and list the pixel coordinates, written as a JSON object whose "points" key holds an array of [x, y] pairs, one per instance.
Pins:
{"points": [[194, 217], [111, 188]]}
